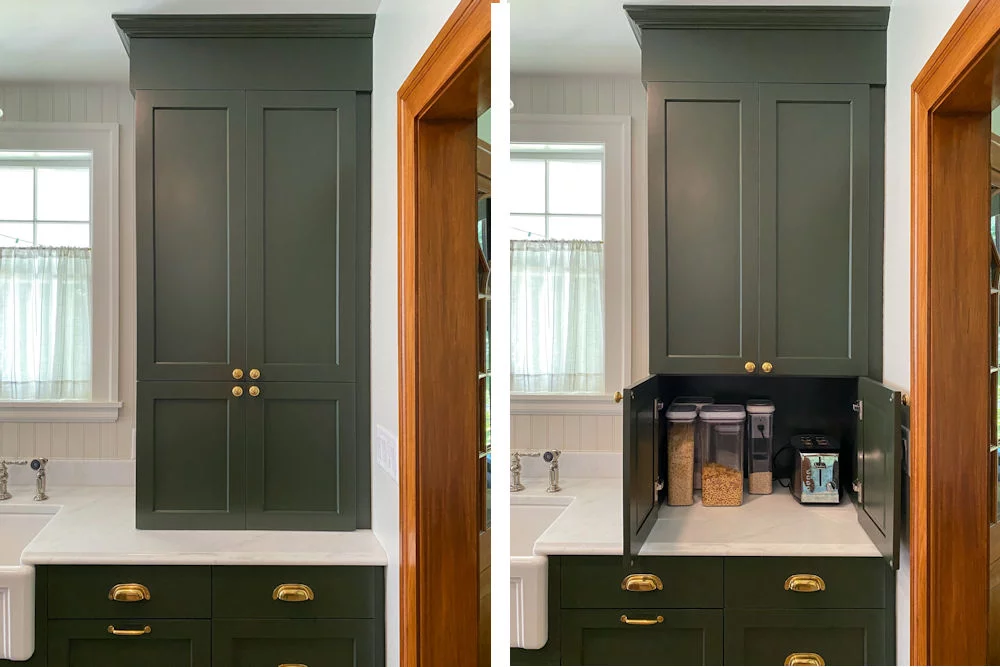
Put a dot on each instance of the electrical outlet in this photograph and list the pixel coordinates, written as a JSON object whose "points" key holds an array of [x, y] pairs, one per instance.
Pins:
{"points": [[387, 452]]}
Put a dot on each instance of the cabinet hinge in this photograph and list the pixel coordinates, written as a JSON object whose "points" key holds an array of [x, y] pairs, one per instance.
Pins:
{"points": [[859, 407]]}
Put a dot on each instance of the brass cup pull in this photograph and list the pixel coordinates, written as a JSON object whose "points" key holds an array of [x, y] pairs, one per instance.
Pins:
{"points": [[291, 664], [766, 367], [129, 593], [618, 397], [805, 583], [642, 583], [255, 390], [237, 391], [641, 621], [129, 633], [805, 659], [237, 373], [750, 366], [254, 374], [292, 593]]}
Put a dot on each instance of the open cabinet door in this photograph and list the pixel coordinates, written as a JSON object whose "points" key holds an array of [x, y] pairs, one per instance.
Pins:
{"points": [[880, 466], [641, 483]]}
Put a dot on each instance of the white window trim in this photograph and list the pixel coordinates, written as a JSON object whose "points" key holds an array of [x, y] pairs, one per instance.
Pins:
{"points": [[615, 133], [101, 139]]}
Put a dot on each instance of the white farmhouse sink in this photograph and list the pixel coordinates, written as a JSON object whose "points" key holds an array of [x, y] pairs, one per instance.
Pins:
{"points": [[18, 525], [529, 574]]}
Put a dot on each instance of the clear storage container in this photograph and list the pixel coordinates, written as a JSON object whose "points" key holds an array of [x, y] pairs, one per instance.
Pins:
{"points": [[721, 428], [680, 453], [760, 445], [699, 402]]}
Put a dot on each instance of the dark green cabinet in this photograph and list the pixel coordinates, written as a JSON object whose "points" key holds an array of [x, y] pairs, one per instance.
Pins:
{"points": [[642, 637], [879, 472], [316, 643], [838, 636], [114, 643]]}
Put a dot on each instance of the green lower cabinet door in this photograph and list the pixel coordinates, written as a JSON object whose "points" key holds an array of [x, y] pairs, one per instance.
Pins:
{"points": [[642, 637], [313, 643], [117, 643], [822, 636]]}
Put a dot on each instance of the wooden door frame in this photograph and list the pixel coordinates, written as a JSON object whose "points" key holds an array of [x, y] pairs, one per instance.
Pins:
{"points": [[949, 526], [438, 105]]}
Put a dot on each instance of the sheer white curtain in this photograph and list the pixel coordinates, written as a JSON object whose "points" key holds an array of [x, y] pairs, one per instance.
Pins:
{"points": [[45, 323], [557, 316]]}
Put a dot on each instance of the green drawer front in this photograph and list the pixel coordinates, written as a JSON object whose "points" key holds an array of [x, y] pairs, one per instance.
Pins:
{"points": [[81, 591], [315, 643], [839, 636], [167, 644], [338, 592], [851, 583], [595, 582], [672, 637]]}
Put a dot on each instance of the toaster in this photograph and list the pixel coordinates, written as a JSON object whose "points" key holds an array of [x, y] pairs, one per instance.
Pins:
{"points": [[816, 477]]}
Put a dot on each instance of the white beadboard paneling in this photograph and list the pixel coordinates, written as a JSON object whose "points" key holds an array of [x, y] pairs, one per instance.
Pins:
{"points": [[588, 433], [571, 432], [520, 432], [555, 437]]}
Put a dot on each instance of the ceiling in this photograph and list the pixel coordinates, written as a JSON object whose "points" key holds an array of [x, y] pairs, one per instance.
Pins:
{"points": [[75, 40], [594, 36]]}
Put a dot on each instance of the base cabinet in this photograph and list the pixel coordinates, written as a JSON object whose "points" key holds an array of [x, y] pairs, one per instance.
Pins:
{"points": [[642, 637], [167, 643], [316, 643]]}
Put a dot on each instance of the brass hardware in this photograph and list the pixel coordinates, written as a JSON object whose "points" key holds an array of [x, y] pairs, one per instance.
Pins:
{"points": [[905, 399], [292, 593], [750, 366], [805, 659], [805, 583], [641, 621], [129, 633], [642, 583], [254, 374], [618, 397], [237, 391], [129, 593], [289, 664], [254, 390], [237, 373], [766, 367]]}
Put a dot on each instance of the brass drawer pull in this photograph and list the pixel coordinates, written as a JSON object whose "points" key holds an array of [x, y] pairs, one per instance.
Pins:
{"points": [[641, 621], [805, 659], [642, 583], [290, 664], [129, 593], [805, 583], [292, 593], [129, 633]]}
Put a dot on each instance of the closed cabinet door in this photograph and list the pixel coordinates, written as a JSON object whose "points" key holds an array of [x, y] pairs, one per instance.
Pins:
{"points": [[702, 227], [301, 455], [878, 476], [642, 637], [190, 234], [306, 643], [817, 637], [814, 218], [111, 643], [301, 235], [189, 455]]}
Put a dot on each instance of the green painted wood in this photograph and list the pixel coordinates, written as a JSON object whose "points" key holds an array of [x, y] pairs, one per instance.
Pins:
{"points": [[81, 591], [190, 226], [190, 467], [851, 583], [685, 637], [170, 643], [595, 582], [550, 654], [301, 444], [316, 643], [301, 236], [876, 230], [145, 26], [664, 17], [340, 592], [880, 467], [840, 636], [363, 319], [642, 435], [814, 208], [703, 255]]}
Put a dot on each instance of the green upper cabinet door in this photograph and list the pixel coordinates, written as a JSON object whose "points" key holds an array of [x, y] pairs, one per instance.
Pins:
{"points": [[150, 643], [301, 235], [190, 234], [301, 456], [814, 219], [702, 227], [642, 637]]}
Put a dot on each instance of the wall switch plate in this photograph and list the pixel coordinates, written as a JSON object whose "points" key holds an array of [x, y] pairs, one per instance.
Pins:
{"points": [[387, 452]]}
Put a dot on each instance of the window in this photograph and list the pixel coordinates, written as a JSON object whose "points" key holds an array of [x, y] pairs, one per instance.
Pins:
{"points": [[569, 284], [58, 271]]}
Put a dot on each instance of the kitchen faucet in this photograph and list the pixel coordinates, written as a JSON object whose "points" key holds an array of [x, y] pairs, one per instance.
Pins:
{"points": [[515, 469], [36, 464], [552, 458]]}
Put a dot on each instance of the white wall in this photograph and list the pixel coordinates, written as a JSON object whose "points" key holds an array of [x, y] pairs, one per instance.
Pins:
{"points": [[92, 103], [403, 31]]}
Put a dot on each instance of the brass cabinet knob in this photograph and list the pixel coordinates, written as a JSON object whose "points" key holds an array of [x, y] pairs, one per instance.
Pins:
{"points": [[618, 397], [292, 593], [805, 583], [805, 659], [750, 366], [642, 583], [766, 367], [237, 373], [129, 633], [255, 390], [641, 621], [129, 593], [237, 391], [254, 374]]}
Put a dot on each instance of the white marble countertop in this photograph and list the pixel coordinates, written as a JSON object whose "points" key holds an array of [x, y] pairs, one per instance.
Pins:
{"points": [[768, 525], [96, 525]]}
